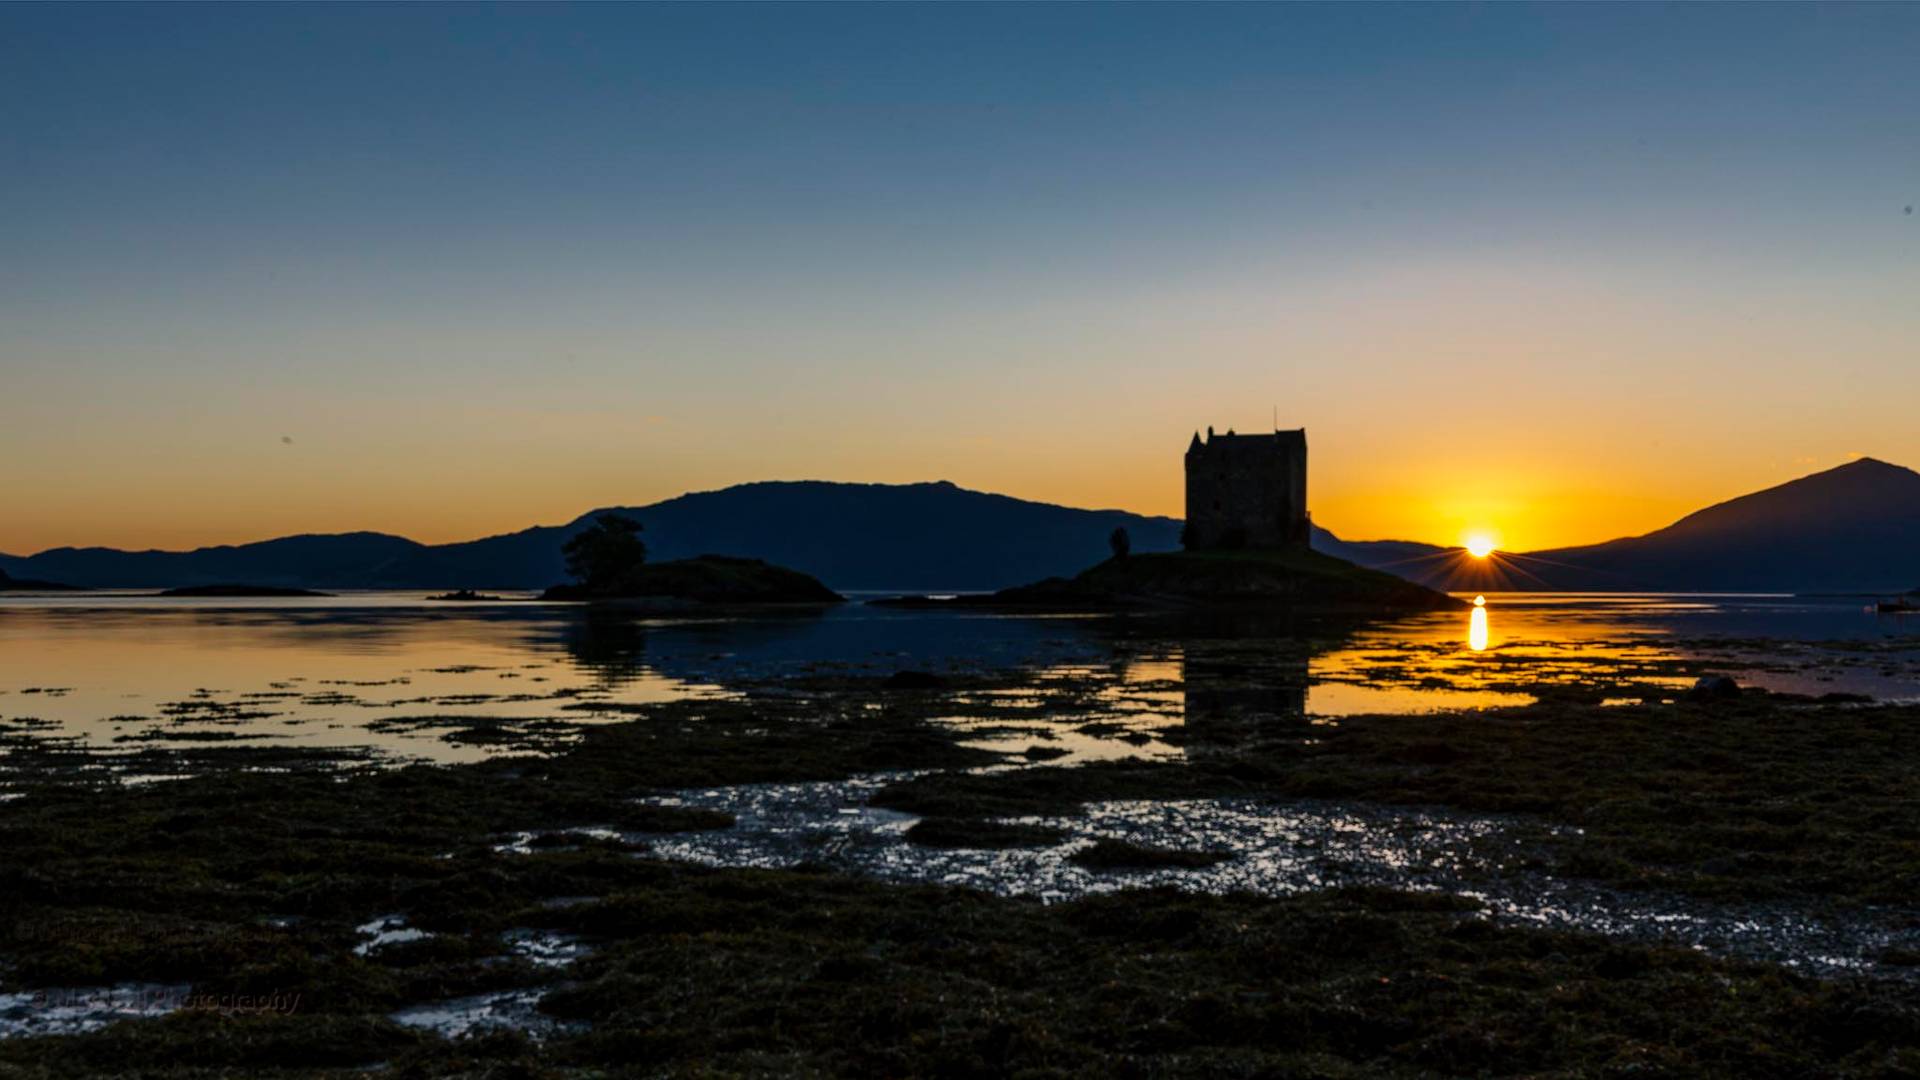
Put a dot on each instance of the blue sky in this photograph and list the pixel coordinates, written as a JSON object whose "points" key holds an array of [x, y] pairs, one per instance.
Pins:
{"points": [[1560, 272]]}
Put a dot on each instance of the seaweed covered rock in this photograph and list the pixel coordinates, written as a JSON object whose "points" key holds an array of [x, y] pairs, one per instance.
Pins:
{"points": [[1713, 688]]}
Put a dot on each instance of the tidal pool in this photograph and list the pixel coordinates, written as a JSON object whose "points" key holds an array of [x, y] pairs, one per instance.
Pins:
{"points": [[1274, 847], [500, 1010], [76, 1010]]}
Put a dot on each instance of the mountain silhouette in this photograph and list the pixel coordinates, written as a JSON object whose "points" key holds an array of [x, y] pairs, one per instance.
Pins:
{"points": [[1855, 528], [1393, 555], [905, 537], [8, 583], [289, 562]]}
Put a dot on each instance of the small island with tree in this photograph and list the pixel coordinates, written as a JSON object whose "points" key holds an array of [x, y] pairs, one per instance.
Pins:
{"points": [[608, 563], [468, 596]]}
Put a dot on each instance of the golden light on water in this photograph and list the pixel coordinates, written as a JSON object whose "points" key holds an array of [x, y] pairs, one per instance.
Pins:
{"points": [[1477, 625], [1479, 545]]}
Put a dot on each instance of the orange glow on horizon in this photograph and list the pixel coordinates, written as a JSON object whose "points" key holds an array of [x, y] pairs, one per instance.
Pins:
{"points": [[1388, 487]]}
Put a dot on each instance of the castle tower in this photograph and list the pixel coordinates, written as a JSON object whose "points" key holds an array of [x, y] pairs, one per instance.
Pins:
{"points": [[1247, 491]]}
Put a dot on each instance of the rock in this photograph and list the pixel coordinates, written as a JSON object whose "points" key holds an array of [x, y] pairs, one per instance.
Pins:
{"points": [[914, 680], [1713, 688]]}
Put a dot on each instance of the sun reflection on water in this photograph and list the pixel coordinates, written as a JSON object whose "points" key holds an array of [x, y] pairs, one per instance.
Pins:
{"points": [[1477, 625]]}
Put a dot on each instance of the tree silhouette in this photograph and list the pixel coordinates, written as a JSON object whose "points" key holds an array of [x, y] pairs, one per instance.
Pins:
{"points": [[1120, 542], [600, 555]]}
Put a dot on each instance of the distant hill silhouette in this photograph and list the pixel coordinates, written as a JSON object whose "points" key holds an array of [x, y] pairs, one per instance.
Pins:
{"points": [[1854, 528], [1375, 554], [28, 585], [851, 536], [290, 562], [907, 537]]}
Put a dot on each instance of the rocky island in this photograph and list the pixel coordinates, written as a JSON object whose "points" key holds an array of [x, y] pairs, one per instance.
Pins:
{"points": [[704, 579], [608, 562]]}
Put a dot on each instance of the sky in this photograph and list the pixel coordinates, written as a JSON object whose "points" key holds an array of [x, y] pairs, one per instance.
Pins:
{"points": [[1553, 274]]}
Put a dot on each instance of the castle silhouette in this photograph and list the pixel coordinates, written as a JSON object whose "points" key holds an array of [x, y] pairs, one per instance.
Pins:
{"points": [[1246, 491]]}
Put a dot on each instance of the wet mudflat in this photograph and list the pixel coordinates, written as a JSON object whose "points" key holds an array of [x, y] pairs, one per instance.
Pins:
{"points": [[1272, 847], [1137, 848]]}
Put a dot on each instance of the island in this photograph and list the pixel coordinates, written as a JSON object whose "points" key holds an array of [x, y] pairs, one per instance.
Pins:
{"points": [[608, 563], [1294, 579], [238, 590], [1247, 542], [702, 580]]}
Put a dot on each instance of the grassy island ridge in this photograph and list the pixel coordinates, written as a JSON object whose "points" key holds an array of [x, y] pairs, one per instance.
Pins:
{"points": [[1292, 579]]}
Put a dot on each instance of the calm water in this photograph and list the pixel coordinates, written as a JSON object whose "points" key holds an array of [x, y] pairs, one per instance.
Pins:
{"points": [[398, 676], [393, 671]]}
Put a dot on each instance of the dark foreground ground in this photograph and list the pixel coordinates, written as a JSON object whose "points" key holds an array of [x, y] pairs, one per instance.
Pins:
{"points": [[248, 883]]}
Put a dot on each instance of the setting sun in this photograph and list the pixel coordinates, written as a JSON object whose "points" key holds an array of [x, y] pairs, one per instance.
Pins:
{"points": [[1479, 545]]}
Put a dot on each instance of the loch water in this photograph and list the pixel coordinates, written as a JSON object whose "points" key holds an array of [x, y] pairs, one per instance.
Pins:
{"points": [[389, 673]]}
